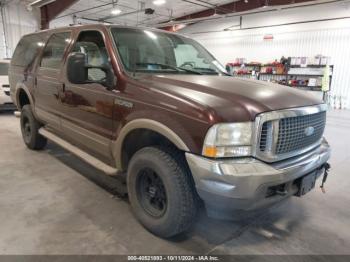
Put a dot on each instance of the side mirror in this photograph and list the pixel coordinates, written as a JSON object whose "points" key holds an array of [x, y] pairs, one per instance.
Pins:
{"points": [[78, 71]]}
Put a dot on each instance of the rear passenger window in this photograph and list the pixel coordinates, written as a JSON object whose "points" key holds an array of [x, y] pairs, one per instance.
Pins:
{"points": [[27, 49], [54, 50]]}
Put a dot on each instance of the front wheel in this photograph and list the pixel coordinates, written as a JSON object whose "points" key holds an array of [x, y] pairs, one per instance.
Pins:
{"points": [[30, 130], [161, 192]]}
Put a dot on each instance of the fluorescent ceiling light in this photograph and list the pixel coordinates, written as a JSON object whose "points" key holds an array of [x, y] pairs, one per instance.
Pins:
{"points": [[231, 28], [159, 2], [180, 26], [40, 3], [116, 11]]}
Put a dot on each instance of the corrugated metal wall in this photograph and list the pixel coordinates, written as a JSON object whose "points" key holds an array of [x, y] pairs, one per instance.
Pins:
{"points": [[329, 42], [294, 32], [17, 22]]}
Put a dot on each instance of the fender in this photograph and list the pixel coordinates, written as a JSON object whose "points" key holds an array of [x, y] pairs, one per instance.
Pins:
{"points": [[144, 124], [20, 86]]}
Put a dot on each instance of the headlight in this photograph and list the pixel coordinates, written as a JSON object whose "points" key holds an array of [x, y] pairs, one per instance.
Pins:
{"points": [[228, 140]]}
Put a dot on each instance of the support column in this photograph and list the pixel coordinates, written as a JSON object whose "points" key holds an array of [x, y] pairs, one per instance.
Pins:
{"points": [[50, 11]]}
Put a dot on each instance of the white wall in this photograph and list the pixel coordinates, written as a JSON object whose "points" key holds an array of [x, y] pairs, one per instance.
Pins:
{"points": [[18, 21], [69, 20], [60, 22], [330, 38]]}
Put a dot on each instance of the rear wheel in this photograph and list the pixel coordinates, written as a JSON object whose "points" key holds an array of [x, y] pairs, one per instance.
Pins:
{"points": [[30, 130], [161, 192]]}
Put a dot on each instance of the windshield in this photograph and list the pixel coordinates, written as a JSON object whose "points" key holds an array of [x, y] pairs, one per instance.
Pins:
{"points": [[4, 68], [155, 52]]}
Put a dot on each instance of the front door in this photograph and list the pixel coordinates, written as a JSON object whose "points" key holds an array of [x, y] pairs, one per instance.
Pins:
{"points": [[88, 108]]}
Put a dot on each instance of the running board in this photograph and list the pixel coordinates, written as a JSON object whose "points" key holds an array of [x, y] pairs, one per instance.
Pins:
{"points": [[111, 171]]}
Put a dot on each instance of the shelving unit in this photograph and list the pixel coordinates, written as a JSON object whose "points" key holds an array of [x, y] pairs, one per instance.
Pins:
{"points": [[292, 75], [249, 70]]}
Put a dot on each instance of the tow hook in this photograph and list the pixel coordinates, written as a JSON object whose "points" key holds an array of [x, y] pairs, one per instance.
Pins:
{"points": [[327, 167]]}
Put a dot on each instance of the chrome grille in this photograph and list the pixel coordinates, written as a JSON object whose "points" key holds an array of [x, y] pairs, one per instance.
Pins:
{"points": [[286, 133], [263, 137], [292, 132]]}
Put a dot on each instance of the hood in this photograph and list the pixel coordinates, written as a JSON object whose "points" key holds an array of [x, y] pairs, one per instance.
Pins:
{"points": [[229, 98]]}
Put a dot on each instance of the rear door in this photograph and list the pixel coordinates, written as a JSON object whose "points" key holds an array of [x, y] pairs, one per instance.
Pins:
{"points": [[48, 79], [24, 61]]}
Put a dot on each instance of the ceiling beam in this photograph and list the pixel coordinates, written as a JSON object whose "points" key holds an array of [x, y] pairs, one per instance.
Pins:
{"points": [[206, 4], [51, 10], [236, 7]]}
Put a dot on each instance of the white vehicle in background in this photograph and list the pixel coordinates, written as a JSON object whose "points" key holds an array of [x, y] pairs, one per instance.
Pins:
{"points": [[5, 99]]}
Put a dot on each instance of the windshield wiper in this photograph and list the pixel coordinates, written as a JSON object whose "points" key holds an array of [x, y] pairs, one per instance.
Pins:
{"points": [[211, 71], [190, 70], [176, 68]]}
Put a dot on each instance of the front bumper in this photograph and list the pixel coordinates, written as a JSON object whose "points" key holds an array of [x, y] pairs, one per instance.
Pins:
{"points": [[246, 184]]}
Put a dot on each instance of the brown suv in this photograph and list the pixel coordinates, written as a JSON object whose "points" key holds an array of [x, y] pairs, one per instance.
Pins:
{"points": [[159, 107]]}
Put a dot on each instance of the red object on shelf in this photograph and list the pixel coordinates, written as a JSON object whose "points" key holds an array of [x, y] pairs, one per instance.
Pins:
{"points": [[233, 64], [268, 37], [269, 70]]}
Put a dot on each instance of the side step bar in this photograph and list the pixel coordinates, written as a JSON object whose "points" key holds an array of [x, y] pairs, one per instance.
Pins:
{"points": [[79, 153]]}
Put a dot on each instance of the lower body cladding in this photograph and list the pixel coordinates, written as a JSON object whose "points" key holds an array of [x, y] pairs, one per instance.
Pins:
{"points": [[247, 184]]}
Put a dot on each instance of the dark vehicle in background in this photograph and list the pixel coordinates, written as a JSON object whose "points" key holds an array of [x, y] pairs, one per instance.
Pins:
{"points": [[160, 108]]}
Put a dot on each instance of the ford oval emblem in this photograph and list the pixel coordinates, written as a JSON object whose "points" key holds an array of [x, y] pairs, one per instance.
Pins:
{"points": [[309, 131]]}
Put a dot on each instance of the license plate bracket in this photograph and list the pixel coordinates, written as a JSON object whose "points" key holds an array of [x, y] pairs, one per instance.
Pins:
{"points": [[306, 184]]}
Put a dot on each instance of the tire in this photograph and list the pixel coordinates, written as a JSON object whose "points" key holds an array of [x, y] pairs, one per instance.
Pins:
{"points": [[30, 130], [163, 216]]}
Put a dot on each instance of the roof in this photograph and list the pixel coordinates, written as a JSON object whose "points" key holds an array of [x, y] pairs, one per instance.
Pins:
{"points": [[99, 26]]}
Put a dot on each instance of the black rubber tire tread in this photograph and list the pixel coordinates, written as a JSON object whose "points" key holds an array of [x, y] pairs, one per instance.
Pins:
{"points": [[37, 141], [181, 195]]}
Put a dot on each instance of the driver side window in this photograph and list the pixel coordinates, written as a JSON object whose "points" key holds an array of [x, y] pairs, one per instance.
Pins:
{"points": [[91, 43]]}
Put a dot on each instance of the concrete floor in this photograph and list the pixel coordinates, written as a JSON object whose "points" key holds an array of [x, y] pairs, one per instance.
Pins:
{"points": [[52, 203]]}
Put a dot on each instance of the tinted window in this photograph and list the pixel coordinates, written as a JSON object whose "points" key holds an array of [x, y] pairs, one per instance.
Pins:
{"points": [[27, 49], [4, 68], [91, 43], [54, 50]]}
